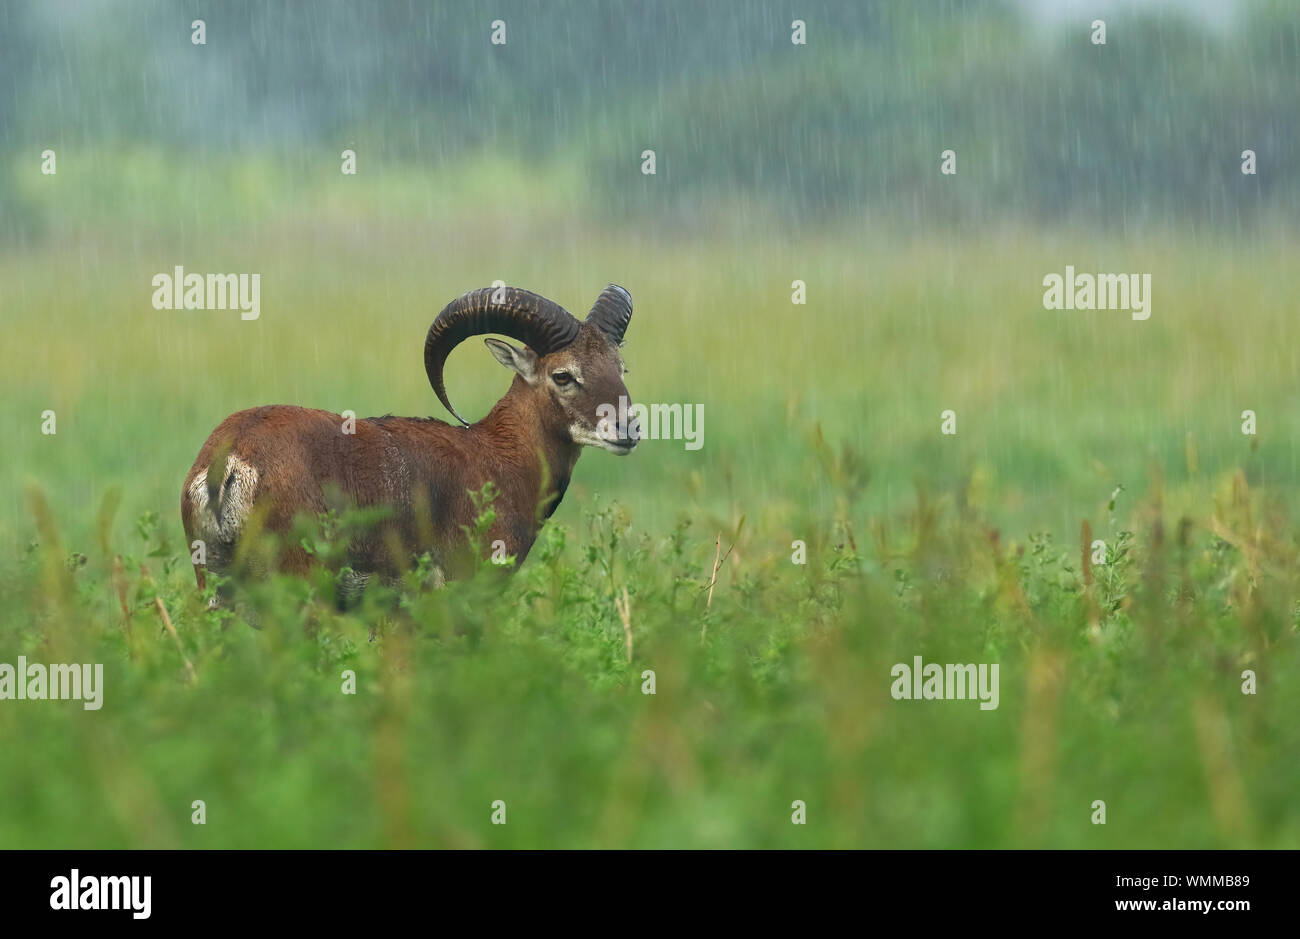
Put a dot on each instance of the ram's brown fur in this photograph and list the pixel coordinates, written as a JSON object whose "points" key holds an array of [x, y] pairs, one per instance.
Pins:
{"points": [[278, 462]]}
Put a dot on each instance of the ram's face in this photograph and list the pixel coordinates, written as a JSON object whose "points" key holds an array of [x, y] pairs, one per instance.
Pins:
{"points": [[584, 383]]}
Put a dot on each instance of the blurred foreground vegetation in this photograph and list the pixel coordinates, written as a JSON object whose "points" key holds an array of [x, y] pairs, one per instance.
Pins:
{"points": [[1119, 681]]}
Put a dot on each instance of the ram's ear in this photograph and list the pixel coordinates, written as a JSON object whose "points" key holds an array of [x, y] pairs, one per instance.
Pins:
{"points": [[522, 361]]}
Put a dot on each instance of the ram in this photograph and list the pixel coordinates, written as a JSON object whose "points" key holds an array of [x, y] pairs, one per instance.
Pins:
{"points": [[261, 468]]}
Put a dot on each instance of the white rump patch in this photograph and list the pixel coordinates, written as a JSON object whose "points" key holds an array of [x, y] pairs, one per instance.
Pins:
{"points": [[222, 522]]}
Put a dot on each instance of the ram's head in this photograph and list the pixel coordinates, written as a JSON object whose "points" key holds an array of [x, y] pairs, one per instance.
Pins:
{"points": [[573, 370]]}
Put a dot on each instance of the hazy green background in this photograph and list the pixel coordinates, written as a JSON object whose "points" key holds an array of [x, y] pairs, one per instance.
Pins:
{"points": [[775, 163]]}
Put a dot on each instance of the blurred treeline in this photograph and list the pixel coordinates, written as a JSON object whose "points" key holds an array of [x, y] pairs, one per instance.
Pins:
{"points": [[1046, 126]]}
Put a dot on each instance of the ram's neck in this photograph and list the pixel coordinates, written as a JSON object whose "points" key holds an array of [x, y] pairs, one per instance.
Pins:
{"points": [[533, 459]]}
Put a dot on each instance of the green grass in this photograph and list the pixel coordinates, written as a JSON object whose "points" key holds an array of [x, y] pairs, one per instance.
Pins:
{"points": [[821, 424]]}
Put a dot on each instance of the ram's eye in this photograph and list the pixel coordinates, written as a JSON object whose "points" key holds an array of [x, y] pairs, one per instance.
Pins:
{"points": [[562, 378]]}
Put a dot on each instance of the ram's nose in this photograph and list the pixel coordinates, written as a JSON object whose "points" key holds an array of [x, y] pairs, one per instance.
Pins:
{"points": [[623, 437]]}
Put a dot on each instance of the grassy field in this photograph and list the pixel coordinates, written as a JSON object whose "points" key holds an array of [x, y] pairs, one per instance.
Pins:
{"points": [[822, 424]]}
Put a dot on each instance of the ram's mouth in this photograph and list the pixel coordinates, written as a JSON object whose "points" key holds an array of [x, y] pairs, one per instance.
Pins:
{"points": [[594, 438]]}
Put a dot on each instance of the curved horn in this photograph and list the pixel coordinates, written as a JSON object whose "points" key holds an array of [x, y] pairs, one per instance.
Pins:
{"points": [[540, 324], [612, 311]]}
